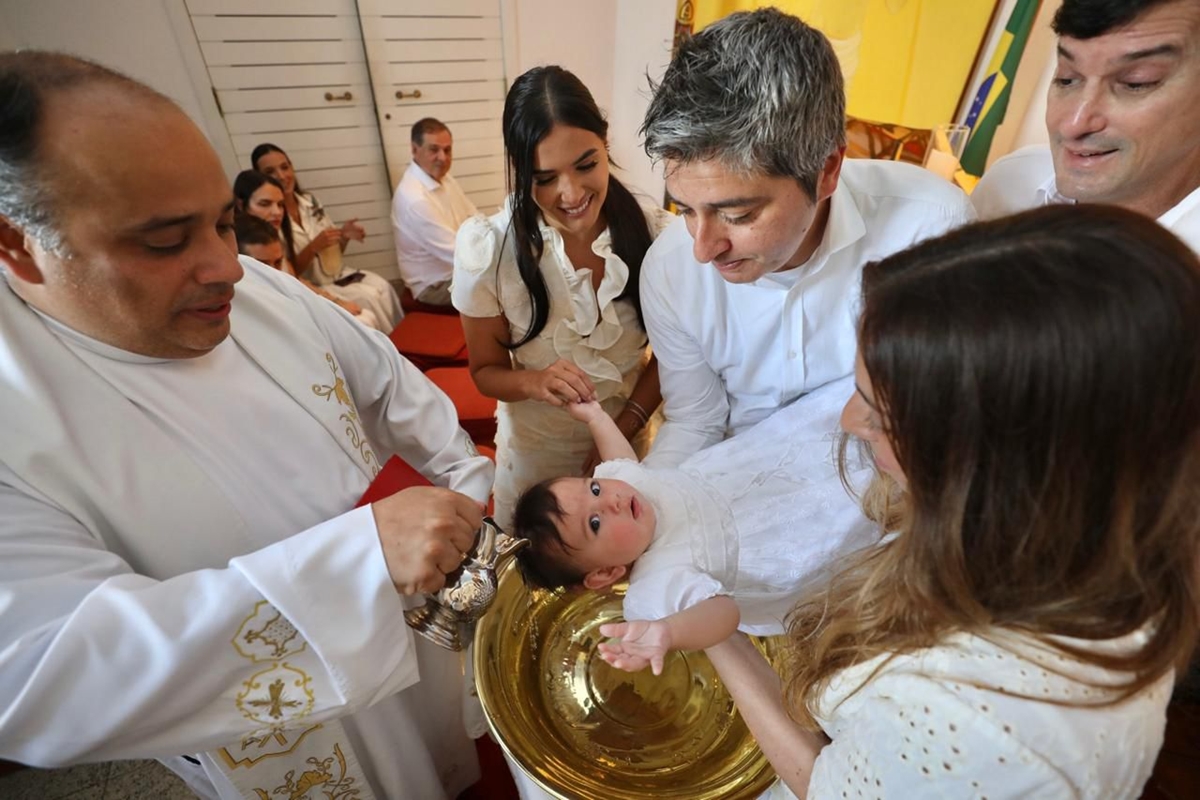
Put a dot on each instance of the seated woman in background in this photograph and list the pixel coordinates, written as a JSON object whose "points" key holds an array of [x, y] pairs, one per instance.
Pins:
{"points": [[319, 243], [259, 240], [1030, 391], [548, 289]]}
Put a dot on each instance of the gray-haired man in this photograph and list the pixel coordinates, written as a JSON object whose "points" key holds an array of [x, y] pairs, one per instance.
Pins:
{"points": [[750, 298], [427, 209]]}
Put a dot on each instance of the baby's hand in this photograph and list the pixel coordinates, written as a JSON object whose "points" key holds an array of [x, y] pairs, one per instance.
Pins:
{"points": [[585, 411], [636, 644]]}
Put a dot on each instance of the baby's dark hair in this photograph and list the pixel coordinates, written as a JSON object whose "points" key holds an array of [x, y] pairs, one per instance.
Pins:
{"points": [[544, 564]]}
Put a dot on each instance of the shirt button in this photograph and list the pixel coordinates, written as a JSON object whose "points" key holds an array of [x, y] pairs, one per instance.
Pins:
{"points": [[791, 353]]}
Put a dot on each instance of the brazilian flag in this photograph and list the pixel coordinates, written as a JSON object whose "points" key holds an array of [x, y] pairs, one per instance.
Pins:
{"points": [[991, 101]]}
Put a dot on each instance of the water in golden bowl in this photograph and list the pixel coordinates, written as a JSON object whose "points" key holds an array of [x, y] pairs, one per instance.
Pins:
{"points": [[583, 730]]}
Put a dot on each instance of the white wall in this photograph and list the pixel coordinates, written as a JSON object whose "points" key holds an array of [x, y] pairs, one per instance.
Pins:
{"points": [[643, 48], [582, 36], [1025, 122], [136, 37], [579, 35], [132, 36], [149, 40]]}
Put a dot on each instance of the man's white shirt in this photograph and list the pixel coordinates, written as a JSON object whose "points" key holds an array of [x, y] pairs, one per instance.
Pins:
{"points": [[1024, 179], [731, 354], [425, 218]]}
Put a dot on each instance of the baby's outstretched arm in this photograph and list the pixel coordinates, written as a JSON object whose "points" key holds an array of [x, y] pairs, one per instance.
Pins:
{"points": [[640, 642], [608, 437]]}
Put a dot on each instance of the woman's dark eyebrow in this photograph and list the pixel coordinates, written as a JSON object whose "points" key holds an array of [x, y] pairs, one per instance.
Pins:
{"points": [[575, 163]]}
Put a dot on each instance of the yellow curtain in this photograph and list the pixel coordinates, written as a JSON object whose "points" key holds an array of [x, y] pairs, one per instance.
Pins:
{"points": [[906, 61]]}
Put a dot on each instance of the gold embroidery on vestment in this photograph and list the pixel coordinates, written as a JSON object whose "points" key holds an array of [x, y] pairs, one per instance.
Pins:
{"points": [[337, 390], [288, 697], [321, 776], [283, 742], [275, 698], [267, 635]]}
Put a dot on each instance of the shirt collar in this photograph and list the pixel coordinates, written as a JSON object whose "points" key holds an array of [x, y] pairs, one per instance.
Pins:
{"points": [[843, 227], [424, 177], [1173, 215], [111, 352], [1047, 194]]}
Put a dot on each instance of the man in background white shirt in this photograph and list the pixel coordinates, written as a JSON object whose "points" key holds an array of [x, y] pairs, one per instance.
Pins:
{"points": [[1122, 114], [183, 574], [427, 209], [750, 299]]}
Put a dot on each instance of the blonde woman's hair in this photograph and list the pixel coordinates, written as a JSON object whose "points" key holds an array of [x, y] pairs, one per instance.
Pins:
{"points": [[1039, 381]]}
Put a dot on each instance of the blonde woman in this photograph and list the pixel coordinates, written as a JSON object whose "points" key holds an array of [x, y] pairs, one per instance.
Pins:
{"points": [[1029, 390]]}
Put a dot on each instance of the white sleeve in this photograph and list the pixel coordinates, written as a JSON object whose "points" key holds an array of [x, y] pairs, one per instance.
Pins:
{"points": [[1013, 182], [668, 591], [403, 412], [988, 197], [474, 289], [962, 214], [102, 663], [694, 402]]}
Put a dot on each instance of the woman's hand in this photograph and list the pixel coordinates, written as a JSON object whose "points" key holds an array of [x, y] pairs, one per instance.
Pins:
{"points": [[558, 384], [352, 230], [326, 238]]}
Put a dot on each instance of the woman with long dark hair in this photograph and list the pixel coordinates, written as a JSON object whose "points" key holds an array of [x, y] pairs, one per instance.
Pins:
{"points": [[317, 243], [1029, 391], [261, 197], [548, 288]]}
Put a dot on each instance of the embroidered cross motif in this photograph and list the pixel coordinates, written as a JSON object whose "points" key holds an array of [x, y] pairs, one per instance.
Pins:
{"points": [[275, 700]]}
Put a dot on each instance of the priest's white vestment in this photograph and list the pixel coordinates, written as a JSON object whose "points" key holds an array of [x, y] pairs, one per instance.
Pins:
{"points": [[181, 573]]}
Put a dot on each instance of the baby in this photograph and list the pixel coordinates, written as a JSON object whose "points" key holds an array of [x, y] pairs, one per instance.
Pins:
{"points": [[724, 542]]}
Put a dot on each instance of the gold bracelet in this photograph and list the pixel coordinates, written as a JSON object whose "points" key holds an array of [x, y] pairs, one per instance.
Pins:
{"points": [[637, 410]]}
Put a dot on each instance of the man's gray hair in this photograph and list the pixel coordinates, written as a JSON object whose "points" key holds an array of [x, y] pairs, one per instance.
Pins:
{"points": [[760, 92], [27, 79]]}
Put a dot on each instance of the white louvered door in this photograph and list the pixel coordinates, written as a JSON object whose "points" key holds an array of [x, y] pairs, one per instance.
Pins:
{"points": [[440, 59], [295, 73]]}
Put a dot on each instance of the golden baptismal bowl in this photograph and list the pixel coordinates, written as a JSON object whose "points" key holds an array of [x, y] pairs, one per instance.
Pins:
{"points": [[583, 730]]}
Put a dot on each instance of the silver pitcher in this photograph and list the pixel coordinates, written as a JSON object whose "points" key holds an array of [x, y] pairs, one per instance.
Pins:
{"points": [[448, 617]]}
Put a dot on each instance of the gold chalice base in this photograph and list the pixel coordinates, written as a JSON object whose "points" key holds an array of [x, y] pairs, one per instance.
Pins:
{"points": [[583, 730]]}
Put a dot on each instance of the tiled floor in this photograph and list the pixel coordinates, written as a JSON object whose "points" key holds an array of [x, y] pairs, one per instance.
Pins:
{"points": [[117, 780]]}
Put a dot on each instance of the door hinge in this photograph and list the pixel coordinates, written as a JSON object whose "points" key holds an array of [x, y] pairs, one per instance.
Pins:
{"points": [[217, 100]]}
